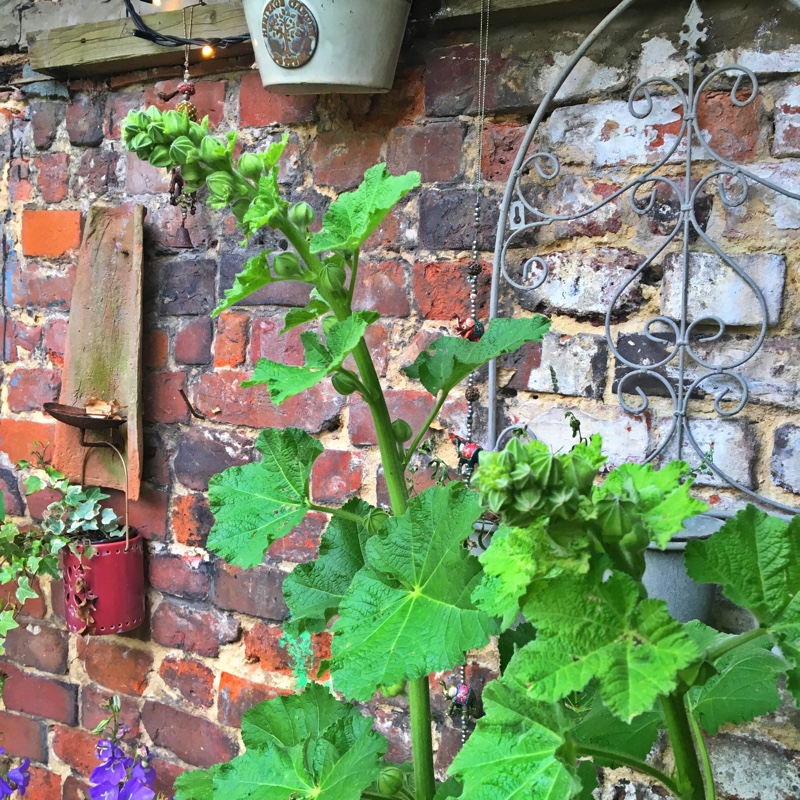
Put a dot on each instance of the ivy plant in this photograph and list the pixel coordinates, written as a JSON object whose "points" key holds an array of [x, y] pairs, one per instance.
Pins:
{"points": [[595, 670]]}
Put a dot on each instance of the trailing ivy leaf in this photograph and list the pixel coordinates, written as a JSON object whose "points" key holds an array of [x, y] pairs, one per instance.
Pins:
{"points": [[589, 629], [257, 503], [512, 753], [354, 216], [315, 309], [745, 686], [285, 381], [313, 591], [24, 591], [450, 359], [255, 275], [7, 623], [408, 612]]}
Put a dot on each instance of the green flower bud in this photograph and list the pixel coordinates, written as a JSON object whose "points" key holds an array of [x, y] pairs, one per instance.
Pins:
{"points": [[402, 430], [153, 113], [345, 382], [159, 157], [214, 152], [176, 123], [286, 265], [221, 186], [196, 133], [182, 151], [250, 166], [375, 519], [391, 779], [192, 173], [141, 144], [331, 278], [302, 215]]}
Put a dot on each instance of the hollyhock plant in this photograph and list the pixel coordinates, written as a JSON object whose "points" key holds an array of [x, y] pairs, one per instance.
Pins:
{"points": [[15, 782]]}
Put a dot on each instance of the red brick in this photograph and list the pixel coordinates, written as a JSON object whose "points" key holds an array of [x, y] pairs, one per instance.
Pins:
{"points": [[20, 336], [115, 665], [262, 646], [155, 349], [179, 576], [340, 160], [397, 231], [193, 739], [191, 520], [237, 696], [50, 233], [410, 405], [191, 679], [97, 172], [433, 150], [44, 288], [43, 785], [93, 710], [733, 131], [442, 290], [302, 544], [159, 449], [221, 398], [230, 347], [383, 287], [258, 591], [85, 122], [197, 629], [19, 184], [53, 176], [377, 339], [41, 697], [75, 747], [193, 342], [12, 496], [404, 104], [162, 399], [74, 789], [30, 389], [23, 737], [117, 108], [46, 116], [18, 435], [40, 646], [33, 608], [337, 476], [57, 599], [209, 98], [501, 142], [142, 178], [166, 774], [147, 515], [259, 108], [267, 341]]}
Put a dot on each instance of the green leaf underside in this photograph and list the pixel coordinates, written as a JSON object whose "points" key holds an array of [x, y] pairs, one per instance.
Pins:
{"points": [[745, 687], [285, 381], [255, 275], [449, 789], [408, 612], [355, 215], [450, 359], [512, 753], [601, 631], [314, 591], [255, 504]]}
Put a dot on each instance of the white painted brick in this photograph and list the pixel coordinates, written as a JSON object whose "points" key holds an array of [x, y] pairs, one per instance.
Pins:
{"points": [[787, 123], [571, 365], [786, 458]]}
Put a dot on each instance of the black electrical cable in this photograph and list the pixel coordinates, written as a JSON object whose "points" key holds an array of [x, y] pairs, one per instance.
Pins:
{"points": [[144, 31]]}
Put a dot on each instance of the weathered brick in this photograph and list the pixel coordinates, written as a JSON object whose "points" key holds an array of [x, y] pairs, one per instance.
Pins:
{"points": [[221, 398], [574, 194], [50, 233], [191, 520], [193, 680], [204, 453], [302, 543], [162, 398], [501, 142], [19, 181], [262, 646], [716, 290], [38, 645], [117, 108], [43, 784], [258, 591], [20, 336], [441, 289], [97, 172], [34, 608], [209, 98], [193, 341], [410, 405], [279, 293], [94, 708], [187, 287], [41, 697], [732, 130], [155, 349], [195, 628], [230, 346], [450, 84], [46, 117], [74, 789], [259, 108], [30, 389], [167, 773], [23, 737], [55, 339], [115, 665], [340, 160], [787, 123], [193, 739], [433, 150], [85, 122], [75, 747], [179, 576], [17, 437], [12, 497], [40, 287], [143, 178], [337, 476], [267, 341], [159, 448], [238, 695], [785, 464], [52, 176], [383, 288], [447, 219]]}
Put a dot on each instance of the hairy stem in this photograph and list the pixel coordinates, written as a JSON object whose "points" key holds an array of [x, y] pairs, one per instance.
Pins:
{"points": [[424, 429], [421, 739], [688, 774], [708, 772], [628, 761], [737, 641], [337, 512]]}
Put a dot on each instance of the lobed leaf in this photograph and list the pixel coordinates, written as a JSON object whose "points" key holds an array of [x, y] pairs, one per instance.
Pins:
{"points": [[315, 309], [255, 275]]}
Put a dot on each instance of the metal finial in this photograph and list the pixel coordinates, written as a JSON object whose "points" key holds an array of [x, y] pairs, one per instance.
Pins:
{"points": [[694, 29]]}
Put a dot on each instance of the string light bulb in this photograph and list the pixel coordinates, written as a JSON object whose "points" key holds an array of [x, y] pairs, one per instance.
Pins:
{"points": [[207, 51], [152, 2]]}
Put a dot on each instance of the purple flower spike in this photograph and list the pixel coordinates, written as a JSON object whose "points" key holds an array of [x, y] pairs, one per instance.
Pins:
{"points": [[136, 790], [5, 789], [20, 776], [104, 750], [105, 791], [144, 773], [112, 771]]}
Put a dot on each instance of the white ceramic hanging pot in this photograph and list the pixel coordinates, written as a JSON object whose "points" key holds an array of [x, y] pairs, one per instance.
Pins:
{"points": [[326, 46]]}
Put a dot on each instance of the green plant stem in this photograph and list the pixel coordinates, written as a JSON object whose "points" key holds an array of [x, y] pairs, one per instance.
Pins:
{"points": [[421, 739], [633, 763], [337, 512], [738, 641], [688, 774], [424, 429], [708, 772]]}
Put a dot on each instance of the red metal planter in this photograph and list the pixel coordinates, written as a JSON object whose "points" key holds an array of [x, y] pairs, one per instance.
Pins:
{"points": [[105, 593]]}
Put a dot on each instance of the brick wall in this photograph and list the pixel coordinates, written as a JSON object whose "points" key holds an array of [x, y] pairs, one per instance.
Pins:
{"points": [[211, 647]]}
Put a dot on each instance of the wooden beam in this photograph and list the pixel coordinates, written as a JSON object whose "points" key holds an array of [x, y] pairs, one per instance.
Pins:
{"points": [[109, 48], [468, 10]]}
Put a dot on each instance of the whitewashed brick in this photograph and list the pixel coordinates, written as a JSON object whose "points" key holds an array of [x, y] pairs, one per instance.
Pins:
{"points": [[787, 123], [786, 458], [570, 365]]}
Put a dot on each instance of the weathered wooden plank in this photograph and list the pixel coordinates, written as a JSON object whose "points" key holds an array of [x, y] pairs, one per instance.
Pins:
{"points": [[456, 10], [108, 48]]}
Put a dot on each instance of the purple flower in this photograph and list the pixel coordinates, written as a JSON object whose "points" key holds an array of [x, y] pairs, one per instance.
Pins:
{"points": [[20, 776], [5, 789], [134, 789], [105, 791], [142, 771], [104, 750]]}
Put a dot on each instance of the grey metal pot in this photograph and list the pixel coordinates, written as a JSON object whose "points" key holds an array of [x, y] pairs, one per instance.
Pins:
{"points": [[325, 46]]}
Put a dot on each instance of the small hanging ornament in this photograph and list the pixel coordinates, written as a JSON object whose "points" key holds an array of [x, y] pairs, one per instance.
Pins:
{"points": [[468, 453], [469, 329]]}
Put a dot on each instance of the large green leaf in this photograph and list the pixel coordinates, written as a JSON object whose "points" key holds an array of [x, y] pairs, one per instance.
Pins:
{"points": [[591, 629], [313, 591], [512, 753], [255, 275], [197, 784], [285, 381], [450, 359], [355, 215], [746, 683], [451, 788], [315, 309], [257, 503], [408, 612]]}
